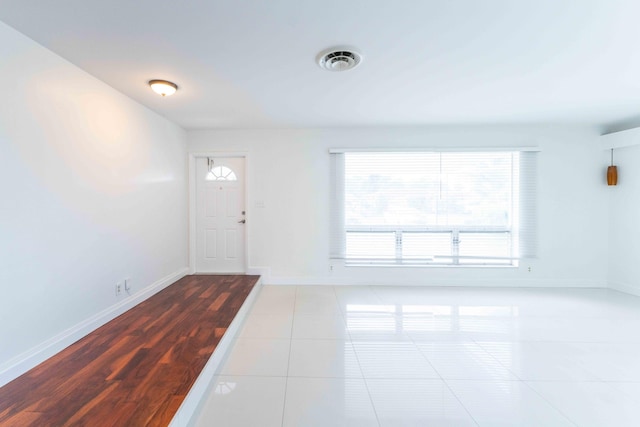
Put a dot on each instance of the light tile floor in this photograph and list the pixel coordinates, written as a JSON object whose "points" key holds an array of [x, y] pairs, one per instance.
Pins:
{"points": [[410, 356]]}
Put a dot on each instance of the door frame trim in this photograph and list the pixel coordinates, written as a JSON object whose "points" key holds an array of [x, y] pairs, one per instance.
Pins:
{"points": [[192, 204]]}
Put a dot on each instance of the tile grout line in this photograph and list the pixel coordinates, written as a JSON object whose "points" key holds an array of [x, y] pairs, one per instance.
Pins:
{"points": [[515, 374], [364, 380], [489, 356], [548, 402], [286, 381], [518, 380], [453, 393], [446, 384]]}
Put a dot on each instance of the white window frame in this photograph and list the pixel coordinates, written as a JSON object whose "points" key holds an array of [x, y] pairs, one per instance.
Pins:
{"points": [[523, 230]]}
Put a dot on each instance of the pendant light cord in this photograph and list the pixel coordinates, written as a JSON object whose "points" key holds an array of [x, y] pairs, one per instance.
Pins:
{"points": [[612, 157]]}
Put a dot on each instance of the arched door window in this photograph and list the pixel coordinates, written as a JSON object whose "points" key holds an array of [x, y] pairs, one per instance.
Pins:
{"points": [[220, 173]]}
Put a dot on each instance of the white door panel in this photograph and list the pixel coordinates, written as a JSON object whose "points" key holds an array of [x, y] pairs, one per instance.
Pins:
{"points": [[220, 214], [211, 244]]}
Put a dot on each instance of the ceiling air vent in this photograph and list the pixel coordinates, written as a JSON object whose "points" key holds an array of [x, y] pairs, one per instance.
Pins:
{"points": [[339, 59]]}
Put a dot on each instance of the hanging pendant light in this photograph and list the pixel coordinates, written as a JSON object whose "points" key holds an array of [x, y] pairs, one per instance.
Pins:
{"points": [[612, 172]]}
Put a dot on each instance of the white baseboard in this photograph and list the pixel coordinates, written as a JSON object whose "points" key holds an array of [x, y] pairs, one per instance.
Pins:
{"points": [[20, 364], [625, 287], [191, 406], [263, 272], [506, 283], [331, 281]]}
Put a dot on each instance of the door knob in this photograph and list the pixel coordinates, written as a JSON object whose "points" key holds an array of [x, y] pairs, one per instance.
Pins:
{"points": [[242, 221]]}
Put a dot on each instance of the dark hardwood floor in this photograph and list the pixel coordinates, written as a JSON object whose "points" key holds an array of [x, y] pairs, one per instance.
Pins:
{"points": [[137, 369]]}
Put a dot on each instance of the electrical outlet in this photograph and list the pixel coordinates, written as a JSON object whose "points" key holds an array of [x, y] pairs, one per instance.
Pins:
{"points": [[529, 269], [118, 288]]}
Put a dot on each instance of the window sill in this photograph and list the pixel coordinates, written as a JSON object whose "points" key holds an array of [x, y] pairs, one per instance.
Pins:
{"points": [[372, 265]]}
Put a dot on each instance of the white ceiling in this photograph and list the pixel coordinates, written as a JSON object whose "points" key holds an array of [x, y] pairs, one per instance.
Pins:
{"points": [[251, 63]]}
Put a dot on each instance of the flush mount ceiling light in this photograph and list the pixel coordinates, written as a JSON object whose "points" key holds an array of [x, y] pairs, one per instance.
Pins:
{"points": [[163, 87], [339, 59]]}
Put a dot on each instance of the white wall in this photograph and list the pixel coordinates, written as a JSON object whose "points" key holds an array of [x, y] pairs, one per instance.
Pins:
{"points": [[624, 221], [93, 189], [289, 172]]}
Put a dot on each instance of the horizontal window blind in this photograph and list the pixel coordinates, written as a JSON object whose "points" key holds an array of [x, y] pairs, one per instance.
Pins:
{"points": [[528, 193], [432, 207], [337, 244]]}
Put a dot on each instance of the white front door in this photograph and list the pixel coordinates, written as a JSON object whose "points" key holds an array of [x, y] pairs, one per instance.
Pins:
{"points": [[220, 215]]}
